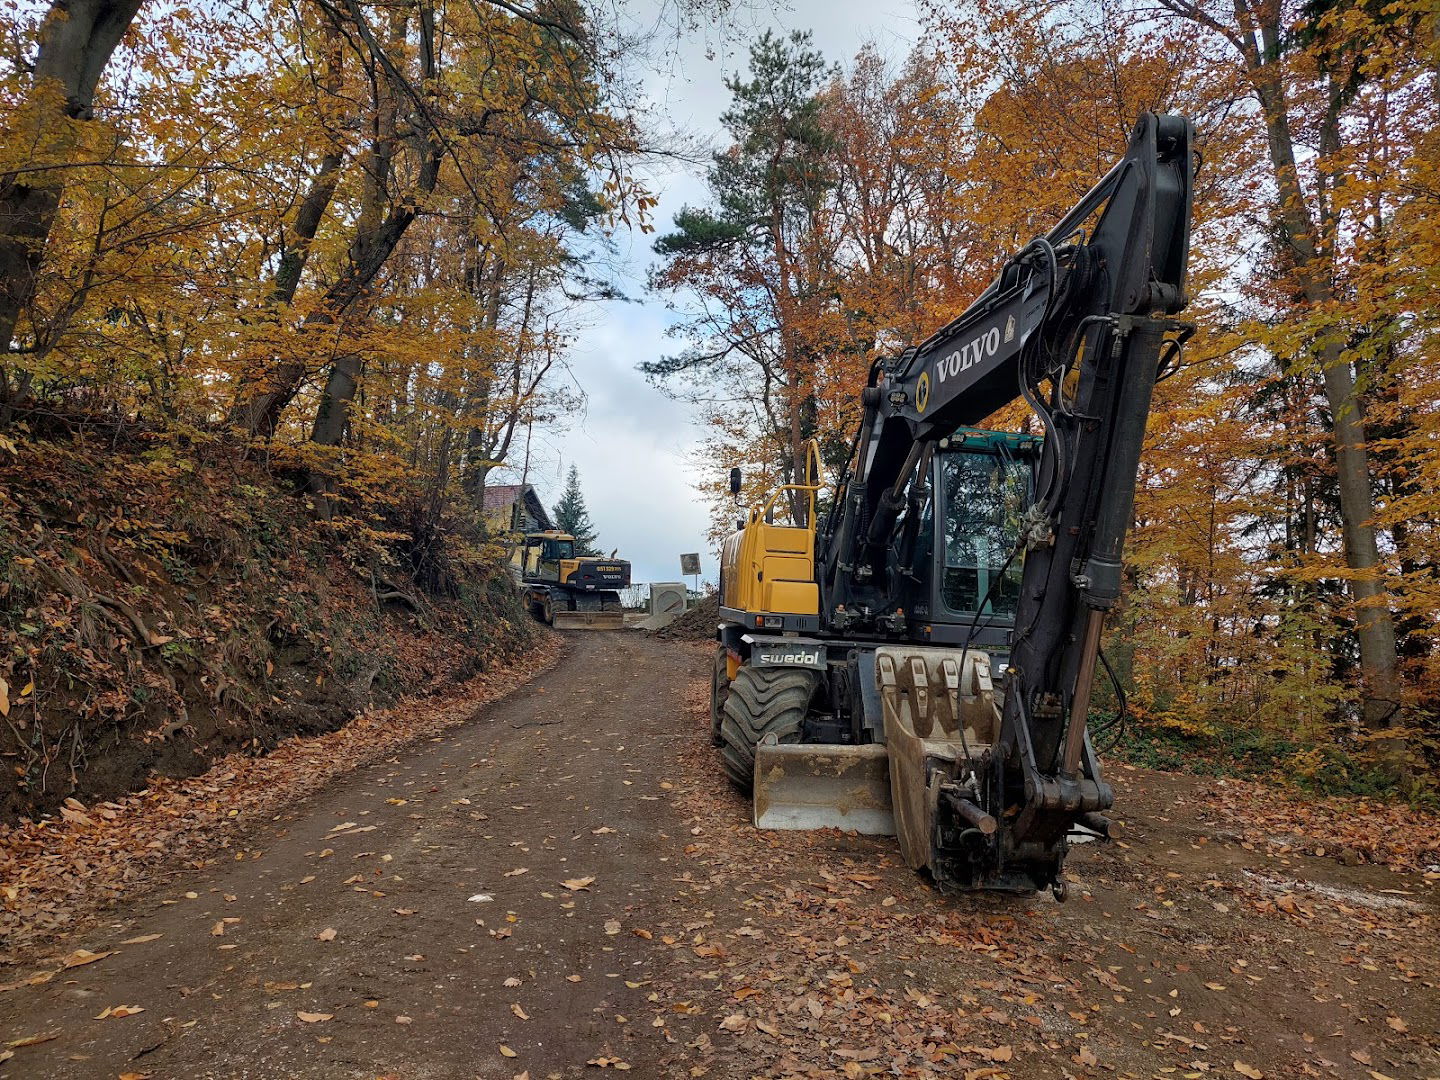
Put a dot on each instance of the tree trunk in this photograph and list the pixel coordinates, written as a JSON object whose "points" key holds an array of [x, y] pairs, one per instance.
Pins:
{"points": [[77, 39], [257, 408], [373, 245], [1374, 623]]}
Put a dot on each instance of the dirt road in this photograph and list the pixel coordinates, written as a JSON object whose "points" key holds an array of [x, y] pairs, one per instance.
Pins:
{"points": [[564, 885]]}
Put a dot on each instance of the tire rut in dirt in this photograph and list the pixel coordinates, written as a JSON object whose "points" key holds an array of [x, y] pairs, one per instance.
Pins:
{"points": [[762, 701]]}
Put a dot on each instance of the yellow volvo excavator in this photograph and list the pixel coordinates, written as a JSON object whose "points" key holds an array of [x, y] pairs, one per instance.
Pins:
{"points": [[566, 591], [921, 661]]}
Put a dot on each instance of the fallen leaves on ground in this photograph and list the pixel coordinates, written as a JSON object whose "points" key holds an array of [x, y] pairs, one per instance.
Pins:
{"points": [[59, 870], [819, 955], [1350, 830], [119, 1012]]}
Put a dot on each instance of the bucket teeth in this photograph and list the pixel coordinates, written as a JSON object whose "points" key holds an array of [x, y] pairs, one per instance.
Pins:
{"points": [[939, 722]]}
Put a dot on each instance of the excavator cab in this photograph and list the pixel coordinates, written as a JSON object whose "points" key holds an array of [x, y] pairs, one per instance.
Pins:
{"points": [[968, 557], [543, 554]]}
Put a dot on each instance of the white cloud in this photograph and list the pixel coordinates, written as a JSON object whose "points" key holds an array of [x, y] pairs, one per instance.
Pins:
{"points": [[636, 449]]}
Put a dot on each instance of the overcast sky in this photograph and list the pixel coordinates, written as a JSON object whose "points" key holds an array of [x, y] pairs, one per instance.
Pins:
{"points": [[636, 448]]}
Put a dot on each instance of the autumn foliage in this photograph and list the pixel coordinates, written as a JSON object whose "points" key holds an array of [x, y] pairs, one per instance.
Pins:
{"points": [[1282, 579], [350, 243], [279, 283]]}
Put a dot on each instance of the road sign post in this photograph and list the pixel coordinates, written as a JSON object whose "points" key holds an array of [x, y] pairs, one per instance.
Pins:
{"points": [[690, 567]]}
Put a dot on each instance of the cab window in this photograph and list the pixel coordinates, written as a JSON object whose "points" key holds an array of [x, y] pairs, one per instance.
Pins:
{"points": [[984, 497]]}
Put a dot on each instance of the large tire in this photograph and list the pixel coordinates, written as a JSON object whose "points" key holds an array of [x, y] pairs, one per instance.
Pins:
{"points": [[719, 691], [762, 701]]}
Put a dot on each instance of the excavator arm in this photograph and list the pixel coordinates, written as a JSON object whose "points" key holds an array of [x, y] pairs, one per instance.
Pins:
{"points": [[1080, 325]]}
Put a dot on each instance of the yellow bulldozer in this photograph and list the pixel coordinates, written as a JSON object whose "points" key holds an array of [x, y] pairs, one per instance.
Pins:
{"points": [[567, 591]]}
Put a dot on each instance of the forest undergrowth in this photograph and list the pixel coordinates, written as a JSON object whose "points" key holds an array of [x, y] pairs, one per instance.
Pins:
{"points": [[164, 604]]}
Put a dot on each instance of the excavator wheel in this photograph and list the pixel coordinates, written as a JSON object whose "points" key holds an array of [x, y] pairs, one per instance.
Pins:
{"points": [[719, 691], [760, 702]]}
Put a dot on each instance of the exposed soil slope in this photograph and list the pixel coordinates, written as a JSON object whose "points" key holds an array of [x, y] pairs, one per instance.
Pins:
{"points": [[160, 610]]}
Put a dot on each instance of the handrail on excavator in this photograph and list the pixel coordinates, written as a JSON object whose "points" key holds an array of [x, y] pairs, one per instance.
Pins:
{"points": [[813, 484]]}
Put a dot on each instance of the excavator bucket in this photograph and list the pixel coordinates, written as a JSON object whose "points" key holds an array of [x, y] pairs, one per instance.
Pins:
{"points": [[589, 620], [820, 786], [940, 721]]}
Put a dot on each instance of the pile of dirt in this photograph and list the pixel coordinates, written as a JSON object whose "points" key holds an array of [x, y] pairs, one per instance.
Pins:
{"points": [[697, 624], [162, 608]]}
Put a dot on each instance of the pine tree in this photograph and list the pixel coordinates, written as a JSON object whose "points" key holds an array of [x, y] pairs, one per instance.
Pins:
{"points": [[572, 517]]}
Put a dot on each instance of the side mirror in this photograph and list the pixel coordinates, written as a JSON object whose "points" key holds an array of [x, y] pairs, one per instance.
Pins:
{"points": [[735, 481]]}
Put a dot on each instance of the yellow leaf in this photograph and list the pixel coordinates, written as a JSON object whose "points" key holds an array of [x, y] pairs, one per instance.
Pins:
{"points": [[33, 1040], [119, 1011], [518, 1011], [4, 698], [507, 1052], [1248, 1070], [315, 1018], [80, 957]]}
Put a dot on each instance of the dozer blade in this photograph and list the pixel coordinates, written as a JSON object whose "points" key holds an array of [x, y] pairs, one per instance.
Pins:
{"points": [[822, 786], [589, 620]]}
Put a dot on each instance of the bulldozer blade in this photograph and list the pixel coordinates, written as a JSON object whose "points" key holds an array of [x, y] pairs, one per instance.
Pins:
{"points": [[589, 620], [820, 786]]}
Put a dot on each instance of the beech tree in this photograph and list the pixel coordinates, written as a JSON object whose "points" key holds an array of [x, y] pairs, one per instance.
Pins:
{"points": [[44, 132]]}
